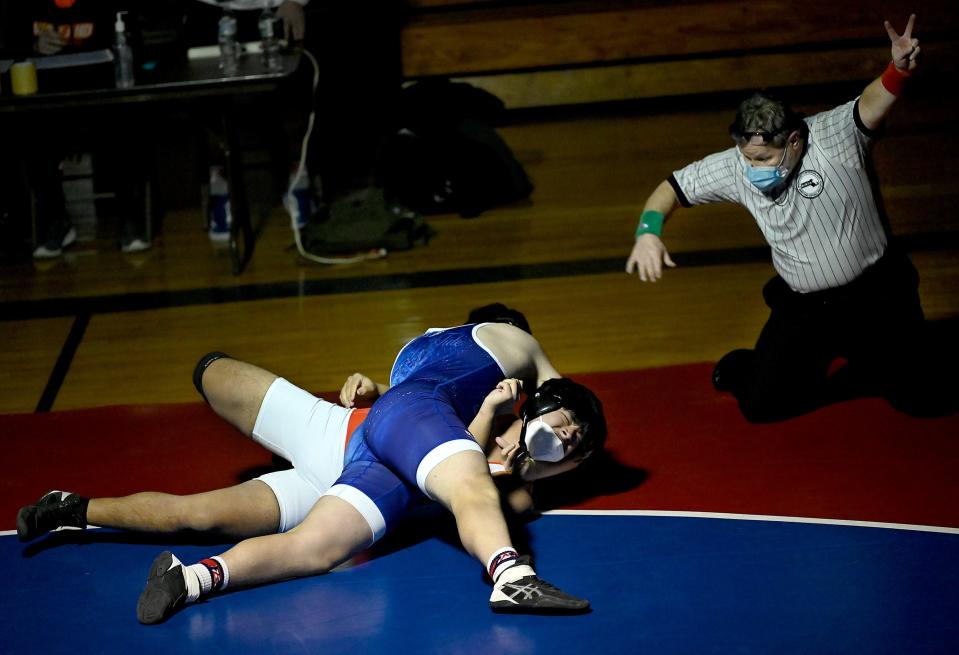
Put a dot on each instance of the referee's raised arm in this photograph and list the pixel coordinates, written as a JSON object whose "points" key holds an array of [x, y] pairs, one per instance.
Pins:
{"points": [[878, 98]]}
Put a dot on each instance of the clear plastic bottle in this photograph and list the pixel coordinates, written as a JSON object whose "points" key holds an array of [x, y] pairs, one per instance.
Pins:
{"points": [[229, 48], [124, 55], [220, 216], [269, 39]]}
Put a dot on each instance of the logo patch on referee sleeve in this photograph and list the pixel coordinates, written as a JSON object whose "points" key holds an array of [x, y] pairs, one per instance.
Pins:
{"points": [[809, 183]]}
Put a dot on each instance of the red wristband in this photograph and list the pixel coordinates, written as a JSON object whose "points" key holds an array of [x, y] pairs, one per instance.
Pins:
{"points": [[894, 79]]}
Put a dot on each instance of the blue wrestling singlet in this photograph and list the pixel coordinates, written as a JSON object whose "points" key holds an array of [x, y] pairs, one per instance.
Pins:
{"points": [[454, 359], [438, 383]]}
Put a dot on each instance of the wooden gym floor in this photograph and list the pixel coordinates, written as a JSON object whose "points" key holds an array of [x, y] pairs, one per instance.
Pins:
{"points": [[97, 327]]}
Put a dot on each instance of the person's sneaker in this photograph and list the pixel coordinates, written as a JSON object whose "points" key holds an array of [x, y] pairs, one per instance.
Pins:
{"points": [[165, 592], [54, 509], [132, 239], [533, 595], [58, 237]]}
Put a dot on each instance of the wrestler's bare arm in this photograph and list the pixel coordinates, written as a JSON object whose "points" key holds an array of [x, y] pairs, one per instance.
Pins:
{"points": [[498, 402], [518, 353], [516, 494]]}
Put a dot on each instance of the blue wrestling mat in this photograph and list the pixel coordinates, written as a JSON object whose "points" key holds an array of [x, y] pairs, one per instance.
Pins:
{"points": [[658, 584]]}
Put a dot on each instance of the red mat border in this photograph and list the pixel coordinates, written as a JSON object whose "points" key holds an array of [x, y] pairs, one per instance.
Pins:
{"points": [[675, 445]]}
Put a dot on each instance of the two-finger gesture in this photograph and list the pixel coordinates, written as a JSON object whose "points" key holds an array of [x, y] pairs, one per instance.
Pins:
{"points": [[904, 47]]}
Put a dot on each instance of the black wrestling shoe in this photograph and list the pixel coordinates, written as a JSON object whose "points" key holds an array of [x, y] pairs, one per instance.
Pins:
{"points": [[533, 595], [165, 592], [55, 509]]}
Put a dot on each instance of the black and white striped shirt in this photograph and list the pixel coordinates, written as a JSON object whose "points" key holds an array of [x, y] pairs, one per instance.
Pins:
{"points": [[825, 229]]}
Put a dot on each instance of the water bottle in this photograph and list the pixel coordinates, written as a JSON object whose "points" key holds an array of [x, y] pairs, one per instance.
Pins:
{"points": [[269, 39], [220, 216], [229, 48], [298, 200], [123, 53]]}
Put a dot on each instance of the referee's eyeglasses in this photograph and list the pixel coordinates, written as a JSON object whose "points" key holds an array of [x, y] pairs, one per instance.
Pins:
{"points": [[754, 137]]}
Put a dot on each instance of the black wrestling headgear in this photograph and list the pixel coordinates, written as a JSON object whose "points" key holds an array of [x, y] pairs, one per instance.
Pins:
{"points": [[563, 393], [497, 312]]}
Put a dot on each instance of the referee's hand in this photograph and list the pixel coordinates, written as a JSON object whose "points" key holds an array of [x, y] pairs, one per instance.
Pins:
{"points": [[647, 258], [905, 48]]}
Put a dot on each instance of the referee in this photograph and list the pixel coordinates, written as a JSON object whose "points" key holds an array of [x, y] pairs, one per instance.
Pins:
{"points": [[841, 292]]}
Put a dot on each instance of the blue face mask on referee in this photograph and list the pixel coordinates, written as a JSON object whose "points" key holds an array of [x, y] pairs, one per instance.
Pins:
{"points": [[767, 178]]}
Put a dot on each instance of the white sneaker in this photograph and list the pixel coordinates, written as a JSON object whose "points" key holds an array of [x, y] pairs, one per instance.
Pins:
{"points": [[135, 244], [55, 245]]}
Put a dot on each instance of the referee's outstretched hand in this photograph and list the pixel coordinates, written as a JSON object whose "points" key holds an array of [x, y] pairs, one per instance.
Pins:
{"points": [[647, 258]]}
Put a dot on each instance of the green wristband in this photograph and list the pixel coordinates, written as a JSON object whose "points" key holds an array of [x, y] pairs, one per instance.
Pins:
{"points": [[651, 222]]}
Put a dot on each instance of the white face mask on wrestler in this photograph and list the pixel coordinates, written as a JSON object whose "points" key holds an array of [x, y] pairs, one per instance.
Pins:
{"points": [[543, 443]]}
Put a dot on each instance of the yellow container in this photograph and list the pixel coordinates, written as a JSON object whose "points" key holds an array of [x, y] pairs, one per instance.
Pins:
{"points": [[23, 78]]}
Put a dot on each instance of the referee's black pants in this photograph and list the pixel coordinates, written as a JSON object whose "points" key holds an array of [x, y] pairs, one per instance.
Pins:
{"points": [[866, 338]]}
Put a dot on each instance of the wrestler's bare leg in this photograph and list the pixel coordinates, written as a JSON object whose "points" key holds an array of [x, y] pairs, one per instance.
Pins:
{"points": [[330, 534], [463, 484], [235, 391], [246, 510]]}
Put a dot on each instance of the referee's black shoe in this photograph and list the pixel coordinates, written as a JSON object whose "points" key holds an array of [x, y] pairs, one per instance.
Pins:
{"points": [[731, 369], [533, 595], [55, 509]]}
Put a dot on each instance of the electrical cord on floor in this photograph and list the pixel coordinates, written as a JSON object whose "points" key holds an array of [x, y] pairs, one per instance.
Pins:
{"points": [[290, 201]]}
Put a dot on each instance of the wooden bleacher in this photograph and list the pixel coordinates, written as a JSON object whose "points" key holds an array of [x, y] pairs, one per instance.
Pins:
{"points": [[535, 54]]}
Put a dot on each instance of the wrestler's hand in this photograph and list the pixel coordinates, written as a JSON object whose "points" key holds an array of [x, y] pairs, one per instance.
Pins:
{"points": [[356, 387], [501, 399], [508, 452], [647, 258]]}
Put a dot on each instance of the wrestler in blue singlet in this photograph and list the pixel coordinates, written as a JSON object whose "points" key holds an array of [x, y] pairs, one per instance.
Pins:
{"points": [[451, 359], [438, 383]]}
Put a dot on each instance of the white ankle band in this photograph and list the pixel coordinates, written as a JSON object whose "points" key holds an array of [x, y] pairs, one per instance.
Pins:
{"points": [[514, 573]]}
